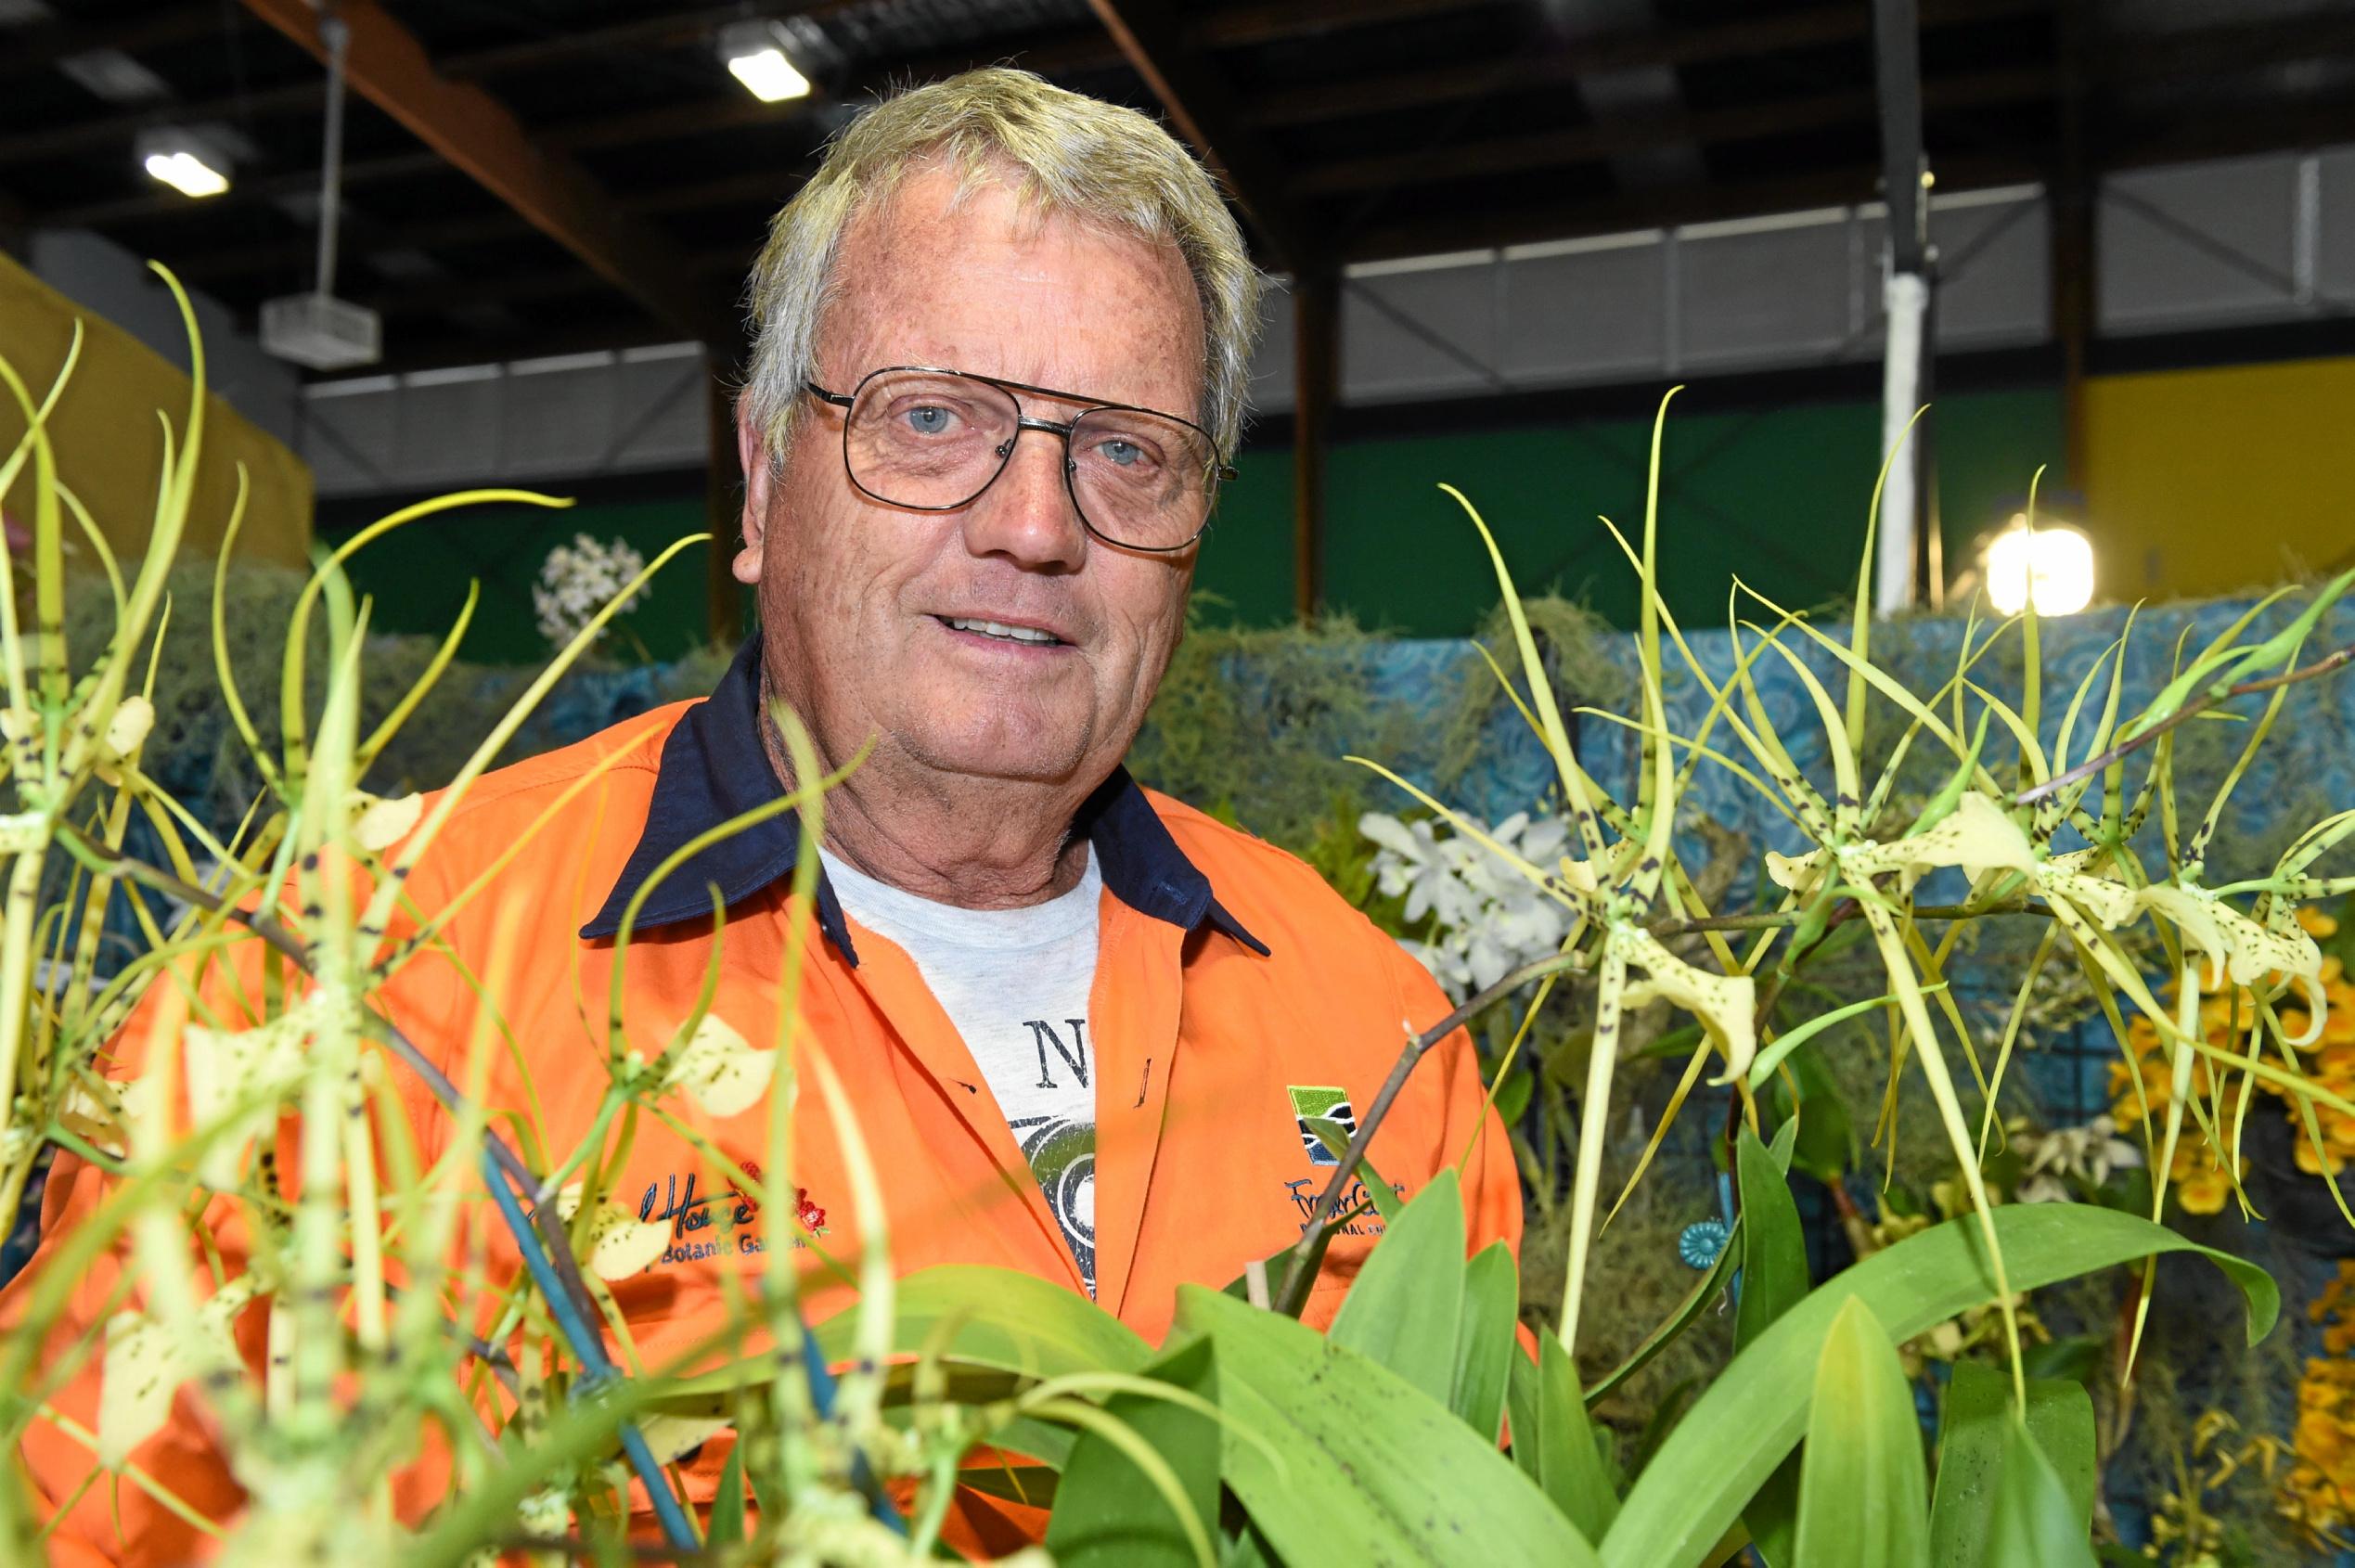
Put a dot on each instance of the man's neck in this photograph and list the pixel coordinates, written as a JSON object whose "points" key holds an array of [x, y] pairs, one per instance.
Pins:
{"points": [[977, 843]]}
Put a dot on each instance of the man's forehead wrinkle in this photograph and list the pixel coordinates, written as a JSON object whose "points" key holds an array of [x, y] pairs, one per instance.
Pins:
{"points": [[1015, 268]]}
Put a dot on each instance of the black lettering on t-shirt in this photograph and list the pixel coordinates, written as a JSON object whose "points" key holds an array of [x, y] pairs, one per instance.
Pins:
{"points": [[1042, 1034]]}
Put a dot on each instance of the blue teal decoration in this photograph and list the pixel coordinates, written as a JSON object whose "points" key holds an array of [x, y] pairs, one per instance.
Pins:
{"points": [[1701, 1241]]}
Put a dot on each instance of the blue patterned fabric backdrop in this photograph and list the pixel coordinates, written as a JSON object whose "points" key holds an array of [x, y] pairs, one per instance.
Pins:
{"points": [[2310, 755]]}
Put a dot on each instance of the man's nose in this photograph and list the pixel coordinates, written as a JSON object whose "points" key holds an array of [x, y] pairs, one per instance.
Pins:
{"points": [[1026, 516]]}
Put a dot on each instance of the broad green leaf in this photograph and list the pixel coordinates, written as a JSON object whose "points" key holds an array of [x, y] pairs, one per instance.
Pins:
{"points": [[1730, 1442], [2035, 1519], [1774, 1252], [1774, 1279], [993, 1318], [1861, 1490], [1402, 1310], [1106, 1511], [1485, 1347], [726, 1527], [1555, 1443], [1971, 1443], [1373, 1471]]}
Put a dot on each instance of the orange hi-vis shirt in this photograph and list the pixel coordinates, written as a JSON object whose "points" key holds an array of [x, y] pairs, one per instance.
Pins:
{"points": [[1230, 979]]}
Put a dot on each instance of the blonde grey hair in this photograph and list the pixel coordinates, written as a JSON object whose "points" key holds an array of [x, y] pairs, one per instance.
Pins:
{"points": [[1065, 155]]}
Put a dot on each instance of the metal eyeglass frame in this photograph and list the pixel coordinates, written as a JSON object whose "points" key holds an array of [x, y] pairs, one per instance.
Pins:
{"points": [[1219, 472]]}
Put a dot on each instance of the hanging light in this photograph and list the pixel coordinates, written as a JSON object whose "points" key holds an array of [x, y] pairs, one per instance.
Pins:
{"points": [[756, 55], [2052, 566], [187, 163]]}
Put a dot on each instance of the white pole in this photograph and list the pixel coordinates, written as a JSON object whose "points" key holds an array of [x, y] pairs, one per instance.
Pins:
{"points": [[338, 38], [1905, 300]]}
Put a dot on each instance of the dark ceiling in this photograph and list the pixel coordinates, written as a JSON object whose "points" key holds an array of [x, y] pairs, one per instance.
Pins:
{"points": [[1362, 128]]}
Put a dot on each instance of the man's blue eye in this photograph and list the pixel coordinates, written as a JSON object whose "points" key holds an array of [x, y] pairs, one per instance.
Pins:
{"points": [[928, 421], [1127, 453]]}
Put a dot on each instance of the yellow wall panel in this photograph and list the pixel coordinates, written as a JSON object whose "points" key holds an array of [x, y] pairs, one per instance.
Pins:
{"points": [[110, 445], [2204, 482]]}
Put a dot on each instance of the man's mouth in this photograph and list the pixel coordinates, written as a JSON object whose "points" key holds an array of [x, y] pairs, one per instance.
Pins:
{"points": [[1033, 636]]}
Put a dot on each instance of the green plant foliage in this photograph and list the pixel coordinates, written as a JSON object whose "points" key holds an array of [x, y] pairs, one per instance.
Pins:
{"points": [[1484, 1339], [1554, 1443], [1373, 1471], [1403, 1311], [1110, 1514], [1739, 1431], [1860, 1489], [1975, 1449], [2035, 1519], [1774, 1279]]}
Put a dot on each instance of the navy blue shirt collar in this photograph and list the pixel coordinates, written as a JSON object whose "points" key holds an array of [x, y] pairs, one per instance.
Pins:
{"points": [[715, 768]]}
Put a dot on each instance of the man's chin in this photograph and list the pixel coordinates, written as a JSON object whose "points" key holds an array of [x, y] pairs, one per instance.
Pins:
{"points": [[1008, 751]]}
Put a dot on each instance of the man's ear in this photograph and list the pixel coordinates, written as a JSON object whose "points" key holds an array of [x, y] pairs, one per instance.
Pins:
{"points": [[760, 475]]}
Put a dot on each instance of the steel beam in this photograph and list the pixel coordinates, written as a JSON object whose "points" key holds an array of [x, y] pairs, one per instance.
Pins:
{"points": [[1151, 35], [481, 138]]}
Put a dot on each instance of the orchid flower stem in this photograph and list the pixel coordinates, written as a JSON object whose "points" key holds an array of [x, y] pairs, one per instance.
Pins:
{"points": [[553, 1266], [2189, 710]]}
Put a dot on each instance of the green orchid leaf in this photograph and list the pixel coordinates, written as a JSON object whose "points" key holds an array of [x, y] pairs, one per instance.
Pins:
{"points": [[1107, 1511], [1861, 1485], [994, 1318], [726, 1527], [1373, 1471], [1739, 1431], [1773, 1279], [1402, 1310], [2035, 1518], [1555, 1445], [1972, 1442], [1484, 1339]]}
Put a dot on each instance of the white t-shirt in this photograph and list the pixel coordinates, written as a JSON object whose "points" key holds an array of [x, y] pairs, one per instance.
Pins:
{"points": [[1015, 984]]}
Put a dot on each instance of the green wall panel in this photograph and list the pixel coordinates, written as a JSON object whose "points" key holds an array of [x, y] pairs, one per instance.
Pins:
{"points": [[1776, 496], [417, 574]]}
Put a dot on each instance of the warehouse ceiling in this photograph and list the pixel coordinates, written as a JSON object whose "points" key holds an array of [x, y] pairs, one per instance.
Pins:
{"points": [[635, 175]]}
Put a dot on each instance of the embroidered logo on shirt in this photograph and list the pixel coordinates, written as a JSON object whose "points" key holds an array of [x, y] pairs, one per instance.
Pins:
{"points": [[676, 1200], [1321, 1102], [1355, 1209]]}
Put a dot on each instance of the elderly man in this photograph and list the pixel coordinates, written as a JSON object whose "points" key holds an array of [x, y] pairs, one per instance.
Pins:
{"points": [[1002, 339]]}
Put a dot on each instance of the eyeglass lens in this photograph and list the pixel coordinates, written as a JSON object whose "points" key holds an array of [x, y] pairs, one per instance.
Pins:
{"points": [[918, 438]]}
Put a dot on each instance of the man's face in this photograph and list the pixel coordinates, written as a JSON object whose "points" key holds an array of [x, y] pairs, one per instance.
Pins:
{"points": [[857, 596]]}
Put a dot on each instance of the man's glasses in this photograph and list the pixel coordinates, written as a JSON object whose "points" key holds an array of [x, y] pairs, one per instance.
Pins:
{"points": [[933, 439]]}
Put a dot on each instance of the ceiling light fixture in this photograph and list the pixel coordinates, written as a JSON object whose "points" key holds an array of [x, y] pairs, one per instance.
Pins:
{"points": [[756, 55], [2051, 566], [184, 162]]}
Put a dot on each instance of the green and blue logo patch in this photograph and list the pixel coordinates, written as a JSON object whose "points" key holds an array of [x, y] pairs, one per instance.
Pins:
{"points": [[1321, 1102]]}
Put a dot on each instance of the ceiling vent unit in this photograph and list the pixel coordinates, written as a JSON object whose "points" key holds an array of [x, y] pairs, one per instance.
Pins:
{"points": [[321, 332]]}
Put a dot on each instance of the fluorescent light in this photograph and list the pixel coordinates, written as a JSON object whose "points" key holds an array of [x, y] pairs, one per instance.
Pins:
{"points": [[771, 77], [187, 173], [756, 54], [2053, 565], [189, 161]]}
